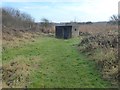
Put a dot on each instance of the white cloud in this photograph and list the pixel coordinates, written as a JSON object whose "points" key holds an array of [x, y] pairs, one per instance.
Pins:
{"points": [[41, 0], [92, 9], [97, 9], [35, 7]]}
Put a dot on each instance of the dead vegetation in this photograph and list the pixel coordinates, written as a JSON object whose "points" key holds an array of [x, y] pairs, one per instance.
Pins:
{"points": [[17, 29], [101, 45], [18, 22], [16, 73], [99, 42]]}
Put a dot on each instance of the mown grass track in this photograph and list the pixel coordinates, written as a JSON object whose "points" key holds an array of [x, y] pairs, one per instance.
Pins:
{"points": [[58, 64]]}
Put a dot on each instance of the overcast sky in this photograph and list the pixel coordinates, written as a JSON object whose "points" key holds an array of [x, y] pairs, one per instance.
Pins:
{"points": [[66, 10]]}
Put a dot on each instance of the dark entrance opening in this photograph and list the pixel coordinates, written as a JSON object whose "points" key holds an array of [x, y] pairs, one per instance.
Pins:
{"points": [[64, 32]]}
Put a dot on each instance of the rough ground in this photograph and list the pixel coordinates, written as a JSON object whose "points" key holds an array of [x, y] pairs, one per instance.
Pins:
{"points": [[49, 62]]}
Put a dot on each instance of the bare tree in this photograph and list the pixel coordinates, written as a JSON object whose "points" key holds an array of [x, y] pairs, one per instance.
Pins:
{"points": [[115, 19], [46, 25], [15, 18]]}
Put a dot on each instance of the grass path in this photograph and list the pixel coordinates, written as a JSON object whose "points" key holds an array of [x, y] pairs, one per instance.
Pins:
{"points": [[60, 64]]}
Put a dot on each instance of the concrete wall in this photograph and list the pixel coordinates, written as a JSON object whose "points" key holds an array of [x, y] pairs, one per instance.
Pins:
{"points": [[75, 30], [74, 33]]}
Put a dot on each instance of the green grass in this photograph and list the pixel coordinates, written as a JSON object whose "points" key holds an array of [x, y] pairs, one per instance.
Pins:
{"points": [[61, 65]]}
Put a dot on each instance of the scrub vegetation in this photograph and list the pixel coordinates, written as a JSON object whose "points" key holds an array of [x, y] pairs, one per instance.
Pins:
{"points": [[33, 58]]}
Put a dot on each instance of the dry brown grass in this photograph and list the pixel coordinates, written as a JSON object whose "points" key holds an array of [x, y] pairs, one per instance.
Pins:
{"points": [[98, 28], [14, 38], [16, 72], [102, 48]]}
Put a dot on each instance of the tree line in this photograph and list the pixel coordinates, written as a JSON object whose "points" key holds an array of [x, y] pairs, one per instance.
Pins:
{"points": [[20, 20], [15, 18]]}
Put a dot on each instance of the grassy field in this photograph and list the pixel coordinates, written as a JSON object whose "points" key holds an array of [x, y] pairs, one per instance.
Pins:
{"points": [[51, 63]]}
